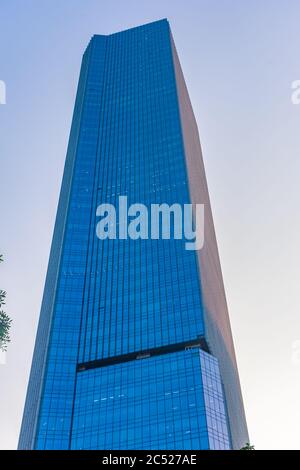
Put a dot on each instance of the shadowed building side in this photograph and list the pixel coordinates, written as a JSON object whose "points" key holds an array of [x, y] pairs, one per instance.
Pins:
{"points": [[35, 384]]}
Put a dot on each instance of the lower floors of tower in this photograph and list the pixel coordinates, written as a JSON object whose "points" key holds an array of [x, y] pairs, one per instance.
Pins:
{"points": [[166, 401]]}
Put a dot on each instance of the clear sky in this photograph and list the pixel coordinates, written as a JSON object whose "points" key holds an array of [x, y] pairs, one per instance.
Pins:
{"points": [[239, 59]]}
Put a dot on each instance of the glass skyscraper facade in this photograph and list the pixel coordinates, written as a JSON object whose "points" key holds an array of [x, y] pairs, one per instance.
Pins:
{"points": [[133, 349]]}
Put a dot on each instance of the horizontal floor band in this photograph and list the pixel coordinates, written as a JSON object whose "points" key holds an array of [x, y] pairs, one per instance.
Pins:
{"points": [[169, 348]]}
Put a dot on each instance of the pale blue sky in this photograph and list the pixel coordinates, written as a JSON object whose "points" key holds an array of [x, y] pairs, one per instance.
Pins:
{"points": [[239, 59]]}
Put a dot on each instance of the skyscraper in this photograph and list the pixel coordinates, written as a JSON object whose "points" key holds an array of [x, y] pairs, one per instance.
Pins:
{"points": [[134, 347]]}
